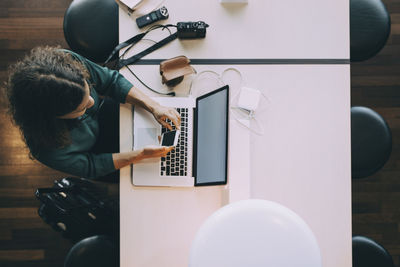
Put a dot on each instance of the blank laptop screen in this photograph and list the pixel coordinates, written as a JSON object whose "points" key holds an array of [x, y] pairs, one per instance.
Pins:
{"points": [[211, 140]]}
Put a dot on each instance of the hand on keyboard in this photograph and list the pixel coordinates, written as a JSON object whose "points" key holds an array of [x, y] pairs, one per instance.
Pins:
{"points": [[175, 163], [161, 114]]}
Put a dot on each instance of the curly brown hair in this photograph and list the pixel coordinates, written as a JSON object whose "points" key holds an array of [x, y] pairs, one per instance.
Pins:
{"points": [[46, 84]]}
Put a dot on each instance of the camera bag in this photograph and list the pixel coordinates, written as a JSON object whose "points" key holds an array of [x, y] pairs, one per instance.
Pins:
{"points": [[78, 209], [175, 68]]}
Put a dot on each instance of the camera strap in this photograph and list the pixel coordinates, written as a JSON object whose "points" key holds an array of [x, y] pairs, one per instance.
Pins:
{"points": [[131, 42], [138, 56]]}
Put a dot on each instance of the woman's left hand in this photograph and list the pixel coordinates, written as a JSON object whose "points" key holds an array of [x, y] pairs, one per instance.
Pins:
{"points": [[162, 113]]}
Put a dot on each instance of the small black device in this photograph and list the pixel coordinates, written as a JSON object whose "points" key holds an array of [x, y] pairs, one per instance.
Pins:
{"points": [[191, 30], [159, 14], [170, 138]]}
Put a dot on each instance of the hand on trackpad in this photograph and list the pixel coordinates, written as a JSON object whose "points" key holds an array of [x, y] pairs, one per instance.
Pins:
{"points": [[146, 137]]}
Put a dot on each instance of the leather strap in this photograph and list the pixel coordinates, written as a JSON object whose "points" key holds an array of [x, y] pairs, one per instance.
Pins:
{"points": [[138, 56], [132, 41]]}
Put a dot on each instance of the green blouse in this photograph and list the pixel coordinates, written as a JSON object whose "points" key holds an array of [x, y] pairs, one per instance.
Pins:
{"points": [[77, 158]]}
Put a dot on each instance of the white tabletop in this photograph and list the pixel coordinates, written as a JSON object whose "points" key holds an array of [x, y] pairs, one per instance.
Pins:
{"points": [[302, 160], [262, 29]]}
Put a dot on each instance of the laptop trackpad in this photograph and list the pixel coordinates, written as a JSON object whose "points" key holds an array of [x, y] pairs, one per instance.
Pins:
{"points": [[146, 137]]}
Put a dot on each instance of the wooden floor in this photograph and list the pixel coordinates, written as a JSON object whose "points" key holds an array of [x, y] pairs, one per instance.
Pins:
{"points": [[26, 241]]}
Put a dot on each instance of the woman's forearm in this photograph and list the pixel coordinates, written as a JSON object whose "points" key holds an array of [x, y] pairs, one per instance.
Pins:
{"points": [[160, 113], [137, 97], [127, 158]]}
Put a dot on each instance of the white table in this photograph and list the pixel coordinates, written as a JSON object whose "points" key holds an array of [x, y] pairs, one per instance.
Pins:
{"points": [[303, 159], [262, 29]]}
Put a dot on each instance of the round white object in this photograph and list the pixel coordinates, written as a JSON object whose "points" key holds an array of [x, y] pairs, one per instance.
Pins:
{"points": [[254, 233]]}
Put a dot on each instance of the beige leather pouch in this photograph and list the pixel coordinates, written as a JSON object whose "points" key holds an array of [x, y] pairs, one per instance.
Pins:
{"points": [[174, 68]]}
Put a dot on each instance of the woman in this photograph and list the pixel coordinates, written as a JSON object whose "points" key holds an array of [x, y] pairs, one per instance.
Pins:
{"points": [[54, 98]]}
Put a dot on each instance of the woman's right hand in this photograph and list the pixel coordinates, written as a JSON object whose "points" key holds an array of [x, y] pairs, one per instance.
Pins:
{"points": [[123, 159], [156, 151]]}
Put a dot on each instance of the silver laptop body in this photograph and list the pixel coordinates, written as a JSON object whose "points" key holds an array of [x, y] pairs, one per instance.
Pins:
{"points": [[145, 133]]}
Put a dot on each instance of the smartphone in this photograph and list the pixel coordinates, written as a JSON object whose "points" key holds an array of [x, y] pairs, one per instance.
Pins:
{"points": [[170, 138]]}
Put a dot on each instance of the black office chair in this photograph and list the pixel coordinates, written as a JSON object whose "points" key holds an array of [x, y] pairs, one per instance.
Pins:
{"points": [[369, 28], [91, 28], [368, 253], [371, 142], [99, 251]]}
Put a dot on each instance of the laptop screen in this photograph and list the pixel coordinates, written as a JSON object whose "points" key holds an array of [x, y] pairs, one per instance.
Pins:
{"points": [[211, 140]]}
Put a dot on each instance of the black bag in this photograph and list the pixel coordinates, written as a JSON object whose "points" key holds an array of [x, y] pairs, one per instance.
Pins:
{"points": [[77, 208]]}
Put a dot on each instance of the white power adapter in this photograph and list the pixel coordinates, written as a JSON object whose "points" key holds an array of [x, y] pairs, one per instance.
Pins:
{"points": [[248, 99]]}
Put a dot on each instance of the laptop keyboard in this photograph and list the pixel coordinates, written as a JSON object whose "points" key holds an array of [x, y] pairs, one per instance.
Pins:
{"points": [[175, 162]]}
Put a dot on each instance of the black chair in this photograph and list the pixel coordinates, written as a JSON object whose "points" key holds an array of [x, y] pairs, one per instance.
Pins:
{"points": [[369, 28], [91, 28], [371, 142], [368, 253], [99, 251]]}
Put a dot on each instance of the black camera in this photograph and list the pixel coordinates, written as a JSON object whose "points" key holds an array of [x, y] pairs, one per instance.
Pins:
{"points": [[191, 30]]}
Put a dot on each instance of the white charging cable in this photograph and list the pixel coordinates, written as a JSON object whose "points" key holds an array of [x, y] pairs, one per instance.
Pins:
{"points": [[201, 90], [243, 104]]}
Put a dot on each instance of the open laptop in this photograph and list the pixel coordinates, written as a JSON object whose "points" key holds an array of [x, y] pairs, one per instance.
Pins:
{"points": [[200, 158]]}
